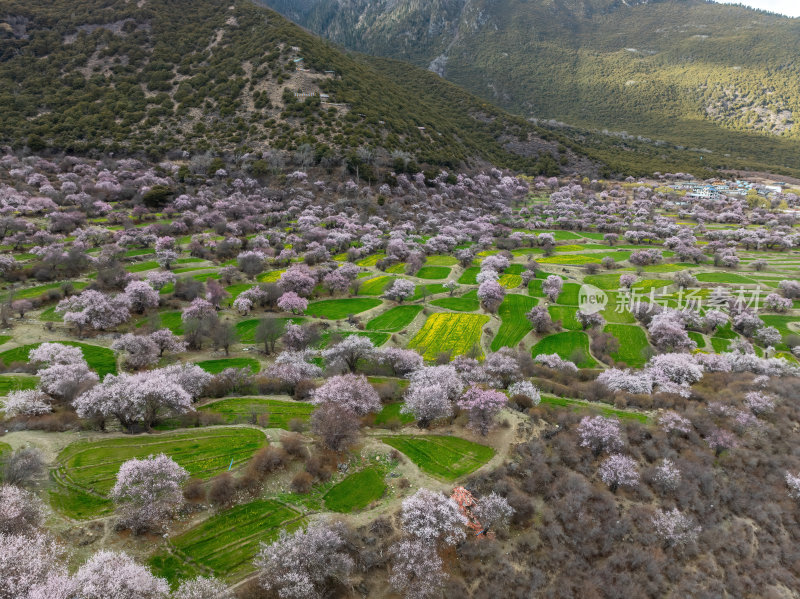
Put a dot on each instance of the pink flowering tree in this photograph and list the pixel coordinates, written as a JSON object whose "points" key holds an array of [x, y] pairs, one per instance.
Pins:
{"points": [[400, 290], [555, 362], [167, 342], [760, 402], [291, 302], [202, 588], [351, 392], [243, 305], [540, 319], [674, 373], [552, 287], [293, 366], [298, 566], [793, 484], [148, 492], [27, 562], [666, 477], [777, 303], [111, 574], [95, 310], [721, 440], [491, 295], [141, 296], [199, 309], [26, 402], [432, 392], [251, 263], [401, 361], [527, 390], [21, 512], [416, 570], [674, 528], [668, 332], [619, 470], [493, 511], [158, 279], [626, 380], [298, 278], [590, 321], [599, 434], [672, 422], [482, 405], [626, 280], [502, 368], [349, 352], [433, 518], [139, 351]]}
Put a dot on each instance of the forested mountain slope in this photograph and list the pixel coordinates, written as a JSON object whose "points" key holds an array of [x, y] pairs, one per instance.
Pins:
{"points": [[700, 74]]}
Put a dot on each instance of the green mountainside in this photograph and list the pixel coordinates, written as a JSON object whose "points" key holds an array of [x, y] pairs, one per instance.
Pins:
{"points": [[717, 78], [163, 75]]}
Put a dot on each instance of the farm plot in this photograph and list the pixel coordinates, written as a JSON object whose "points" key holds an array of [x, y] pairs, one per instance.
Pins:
{"points": [[227, 542], [617, 309], [337, 309], [168, 320], [100, 359], [514, 325], [236, 410], [17, 382], [246, 329], [566, 314], [391, 413], [569, 294], [440, 260], [447, 332], [724, 277], [469, 276], [271, 277], [591, 406], [441, 456], [86, 470], [466, 303], [375, 285], [394, 319], [428, 289], [433, 272], [570, 345], [356, 491], [217, 366], [510, 281], [632, 344]]}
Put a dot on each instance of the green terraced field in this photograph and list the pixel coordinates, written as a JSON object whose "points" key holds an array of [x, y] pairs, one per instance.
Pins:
{"points": [[217, 366], [227, 542], [236, 410], [246, 329], [510, 281], [100, 359], [356, 491], [394, 319], [441, 456], [564, 344], [392, 412], [441, 261], [375, 285], [466, 303], [514, 326], [468, 277], [433, 272], [16, 382], [566, 314], [724, 277], [569, 294], [87, 470], [632, 344], [336, 309], [591, 406], [448, 332]]}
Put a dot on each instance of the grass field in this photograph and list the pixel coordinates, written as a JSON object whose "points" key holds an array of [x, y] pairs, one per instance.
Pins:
{"points": [[372, 260], [391, 412], [235, 410], [565, 344], [724, 277], [227, 542], [469, 276], [16, 382], [169, 320], [440, 260], [433, 272], [87, 470], [606, 282], [466, 303], [246, 329], [514, 325], [566, 314], [100, 359], [569, 294], [217, 366], [375, 285], [142, 266], [356, 491], [49, 315], [444, 332], [601, 408], [632, 344], [394, 319], [444, 457], [4, 447], [32, 292], [336, 309]]}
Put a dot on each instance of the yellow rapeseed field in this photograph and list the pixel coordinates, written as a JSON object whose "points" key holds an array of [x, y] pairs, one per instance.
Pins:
{"points": [[443, 332]]}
